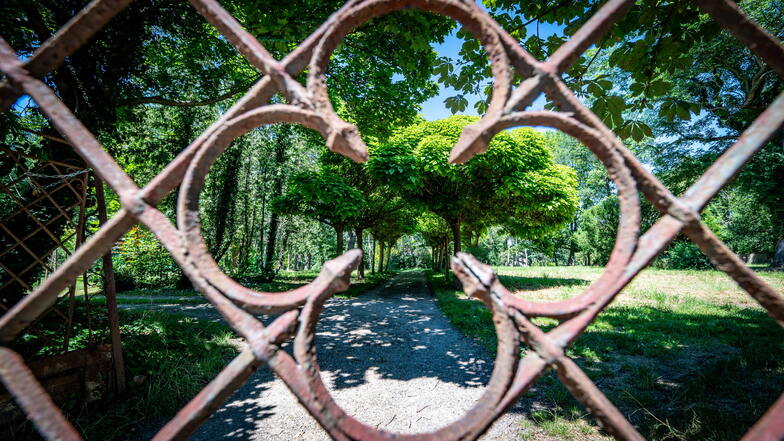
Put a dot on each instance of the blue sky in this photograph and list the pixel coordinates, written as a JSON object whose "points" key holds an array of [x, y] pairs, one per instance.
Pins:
{"points": [[434, 108]]}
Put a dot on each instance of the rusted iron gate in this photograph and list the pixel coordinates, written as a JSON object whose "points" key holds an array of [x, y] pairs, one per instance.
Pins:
{"points": [[299, 309]]}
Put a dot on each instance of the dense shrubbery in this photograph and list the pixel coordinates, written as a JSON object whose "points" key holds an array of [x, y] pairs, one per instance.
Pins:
{"points": [[683, 255], [141, 261]]}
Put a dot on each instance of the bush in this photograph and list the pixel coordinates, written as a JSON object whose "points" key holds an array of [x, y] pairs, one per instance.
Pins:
{"points": [[123, 282], [141, 261], [684, 255], [598, 227]]}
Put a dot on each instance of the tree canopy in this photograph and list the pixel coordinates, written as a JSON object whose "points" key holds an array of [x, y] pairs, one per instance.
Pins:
{"points": [[323, 196], [515, 183]]}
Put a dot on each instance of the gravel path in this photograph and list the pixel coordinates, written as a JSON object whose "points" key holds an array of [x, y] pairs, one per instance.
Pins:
{"points": [[390, 358]]}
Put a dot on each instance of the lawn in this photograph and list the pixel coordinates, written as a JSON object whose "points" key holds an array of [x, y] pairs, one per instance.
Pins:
{"points": [[685, 355]]}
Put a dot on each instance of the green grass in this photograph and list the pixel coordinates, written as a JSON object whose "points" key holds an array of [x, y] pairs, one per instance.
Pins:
{"points": [[685, 355], [286, 281], [169, 358], [149, 301]]}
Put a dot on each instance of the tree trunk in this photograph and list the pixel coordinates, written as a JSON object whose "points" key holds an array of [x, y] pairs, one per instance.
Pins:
{"points": [[445, 257], [277, 190], [339, 242], [380, 256], [389, 254], [455, 224], [360, 245], [373, 256], [272, 236], [284, 244], [572, 229], [778, 255], [224, 212]]}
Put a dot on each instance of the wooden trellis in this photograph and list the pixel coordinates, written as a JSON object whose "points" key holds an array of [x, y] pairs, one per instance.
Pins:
{"points": [[48, 199]]}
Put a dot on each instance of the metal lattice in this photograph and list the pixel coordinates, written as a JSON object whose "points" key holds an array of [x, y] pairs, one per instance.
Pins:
{"points": [[309, 106]]}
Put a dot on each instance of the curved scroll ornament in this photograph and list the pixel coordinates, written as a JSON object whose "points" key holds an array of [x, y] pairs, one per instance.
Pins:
{"points": [[299, 309]]}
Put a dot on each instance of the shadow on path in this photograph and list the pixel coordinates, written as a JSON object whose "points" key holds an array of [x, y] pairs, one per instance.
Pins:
{"points": [[390, 358]]}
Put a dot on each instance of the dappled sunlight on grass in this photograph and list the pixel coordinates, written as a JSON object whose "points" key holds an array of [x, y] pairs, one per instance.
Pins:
{"points": [[683, 354], [651, 286]]}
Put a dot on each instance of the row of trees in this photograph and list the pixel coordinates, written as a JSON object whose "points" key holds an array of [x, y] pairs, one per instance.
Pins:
{"points": [[678, 92], [158, 75], [408, 185]]}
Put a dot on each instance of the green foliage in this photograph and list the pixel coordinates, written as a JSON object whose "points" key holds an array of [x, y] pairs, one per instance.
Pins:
{"points": [[175, 356], [141, 261], [469, 316], [515, 181], [323, 196], [158, 75], [389, 229], [750, 227], [647, 60], [598, 227], [683, 254], [410, 253], [434, 229], [678, 90], [729, 354]]}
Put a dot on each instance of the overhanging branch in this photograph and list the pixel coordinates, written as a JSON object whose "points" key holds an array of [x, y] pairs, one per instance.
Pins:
{"points": [[157, 99]]}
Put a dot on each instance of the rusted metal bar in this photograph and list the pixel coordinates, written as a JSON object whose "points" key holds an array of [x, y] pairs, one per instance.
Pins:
{"points": [[771, 426], [588, 34], [730, 17], [252, 50], [260, 93], [72, 289], [209, 399], [17, 155], [65, 181], [734, 158], [583, 389], [29, 203], [110, 291], [310, 106], [40, 224], [68, 125], [32, 305], [725, 260]]}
